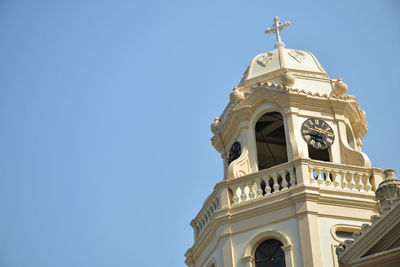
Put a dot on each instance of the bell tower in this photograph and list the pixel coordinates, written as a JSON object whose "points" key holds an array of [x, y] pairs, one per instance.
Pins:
{"points": [[296, 182]]}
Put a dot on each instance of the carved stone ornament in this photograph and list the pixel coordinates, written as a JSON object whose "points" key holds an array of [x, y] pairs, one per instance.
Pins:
{"points": [[265, 59], [216, 126], [297, 55], [287, 79], [340, 88], [236, 96], [389, 189]]}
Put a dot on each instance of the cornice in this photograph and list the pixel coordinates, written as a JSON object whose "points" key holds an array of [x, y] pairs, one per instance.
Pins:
{"points": [[285, 97], [302, 74]]}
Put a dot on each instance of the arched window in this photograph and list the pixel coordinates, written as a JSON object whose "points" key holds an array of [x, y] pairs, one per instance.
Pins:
{"points": [[270, 254], [270, 140]]}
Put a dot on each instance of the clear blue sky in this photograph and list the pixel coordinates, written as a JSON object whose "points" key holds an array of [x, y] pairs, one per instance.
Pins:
{"points": [[105, 108]]}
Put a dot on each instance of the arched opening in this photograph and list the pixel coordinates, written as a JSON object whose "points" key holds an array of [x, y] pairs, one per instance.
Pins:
{"points": [[270, 254], [270, 140]]}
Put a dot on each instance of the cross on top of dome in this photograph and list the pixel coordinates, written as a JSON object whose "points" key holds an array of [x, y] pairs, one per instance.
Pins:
{"points": [[276, 28]]}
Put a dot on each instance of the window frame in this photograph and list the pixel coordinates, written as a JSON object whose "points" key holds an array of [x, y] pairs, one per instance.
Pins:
{"points": [[249, 255]]}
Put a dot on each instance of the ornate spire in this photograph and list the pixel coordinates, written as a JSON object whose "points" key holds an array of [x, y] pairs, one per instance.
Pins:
{"points": [[276, 28]]}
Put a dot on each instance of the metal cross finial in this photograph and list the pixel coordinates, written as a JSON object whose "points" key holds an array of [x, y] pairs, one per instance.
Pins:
{"points": [[276, 28]]}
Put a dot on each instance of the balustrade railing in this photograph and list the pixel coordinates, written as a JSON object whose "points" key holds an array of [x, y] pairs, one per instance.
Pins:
{"points": [[340, 178], [263, 184], [281, 178], [211, 205]]}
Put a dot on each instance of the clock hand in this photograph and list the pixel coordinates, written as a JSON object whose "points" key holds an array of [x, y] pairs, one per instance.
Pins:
{"points": [[323, 131]]}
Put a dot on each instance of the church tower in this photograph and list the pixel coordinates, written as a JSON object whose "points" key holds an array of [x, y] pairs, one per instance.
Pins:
{"points": [[296, 182]]}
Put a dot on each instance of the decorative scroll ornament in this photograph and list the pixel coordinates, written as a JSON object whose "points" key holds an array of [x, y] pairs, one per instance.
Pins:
{"points": [[265, 59], [297, 55]]}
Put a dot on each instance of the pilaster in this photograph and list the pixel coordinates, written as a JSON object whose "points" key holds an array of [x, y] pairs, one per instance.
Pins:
{"points": [[309, 233]]}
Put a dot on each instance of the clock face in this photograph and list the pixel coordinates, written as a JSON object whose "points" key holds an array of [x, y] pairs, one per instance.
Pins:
{"points": [[317, 133], [235, 152]]}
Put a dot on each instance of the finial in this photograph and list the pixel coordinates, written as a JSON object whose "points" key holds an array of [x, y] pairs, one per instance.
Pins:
{"points": [[340, 88], [236, 96], [276, 28], [388, 190], [216, 126], [287, 79]]}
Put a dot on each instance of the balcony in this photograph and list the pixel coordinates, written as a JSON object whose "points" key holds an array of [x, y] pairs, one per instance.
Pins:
{"points": [[283, 178]]}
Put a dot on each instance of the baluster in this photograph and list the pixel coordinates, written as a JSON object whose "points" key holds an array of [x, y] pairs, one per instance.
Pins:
{"points": [[251, 192], [205, 218], [336, 180], [368, 185], [267, 187], [352, 184], [216, 205], [259, 191], [284, 182], [319, 178], [243, 195], [276, 185], [344, 180], [360, 184], [235, 197], [328, 181], [292, 179], [312, 178]]}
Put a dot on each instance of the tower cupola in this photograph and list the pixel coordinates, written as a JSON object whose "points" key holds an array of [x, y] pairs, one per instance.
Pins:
{"points": [[296, 182], [286, 107]]}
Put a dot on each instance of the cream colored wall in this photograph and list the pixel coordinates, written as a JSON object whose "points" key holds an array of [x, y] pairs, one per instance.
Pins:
{"points": [[228, 250], [211, 252], [322, 87], [218, 249], [327, 240], [303, 83]]}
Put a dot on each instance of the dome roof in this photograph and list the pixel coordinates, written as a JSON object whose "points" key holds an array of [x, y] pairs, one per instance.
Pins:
{"points": [[278, 60]]}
